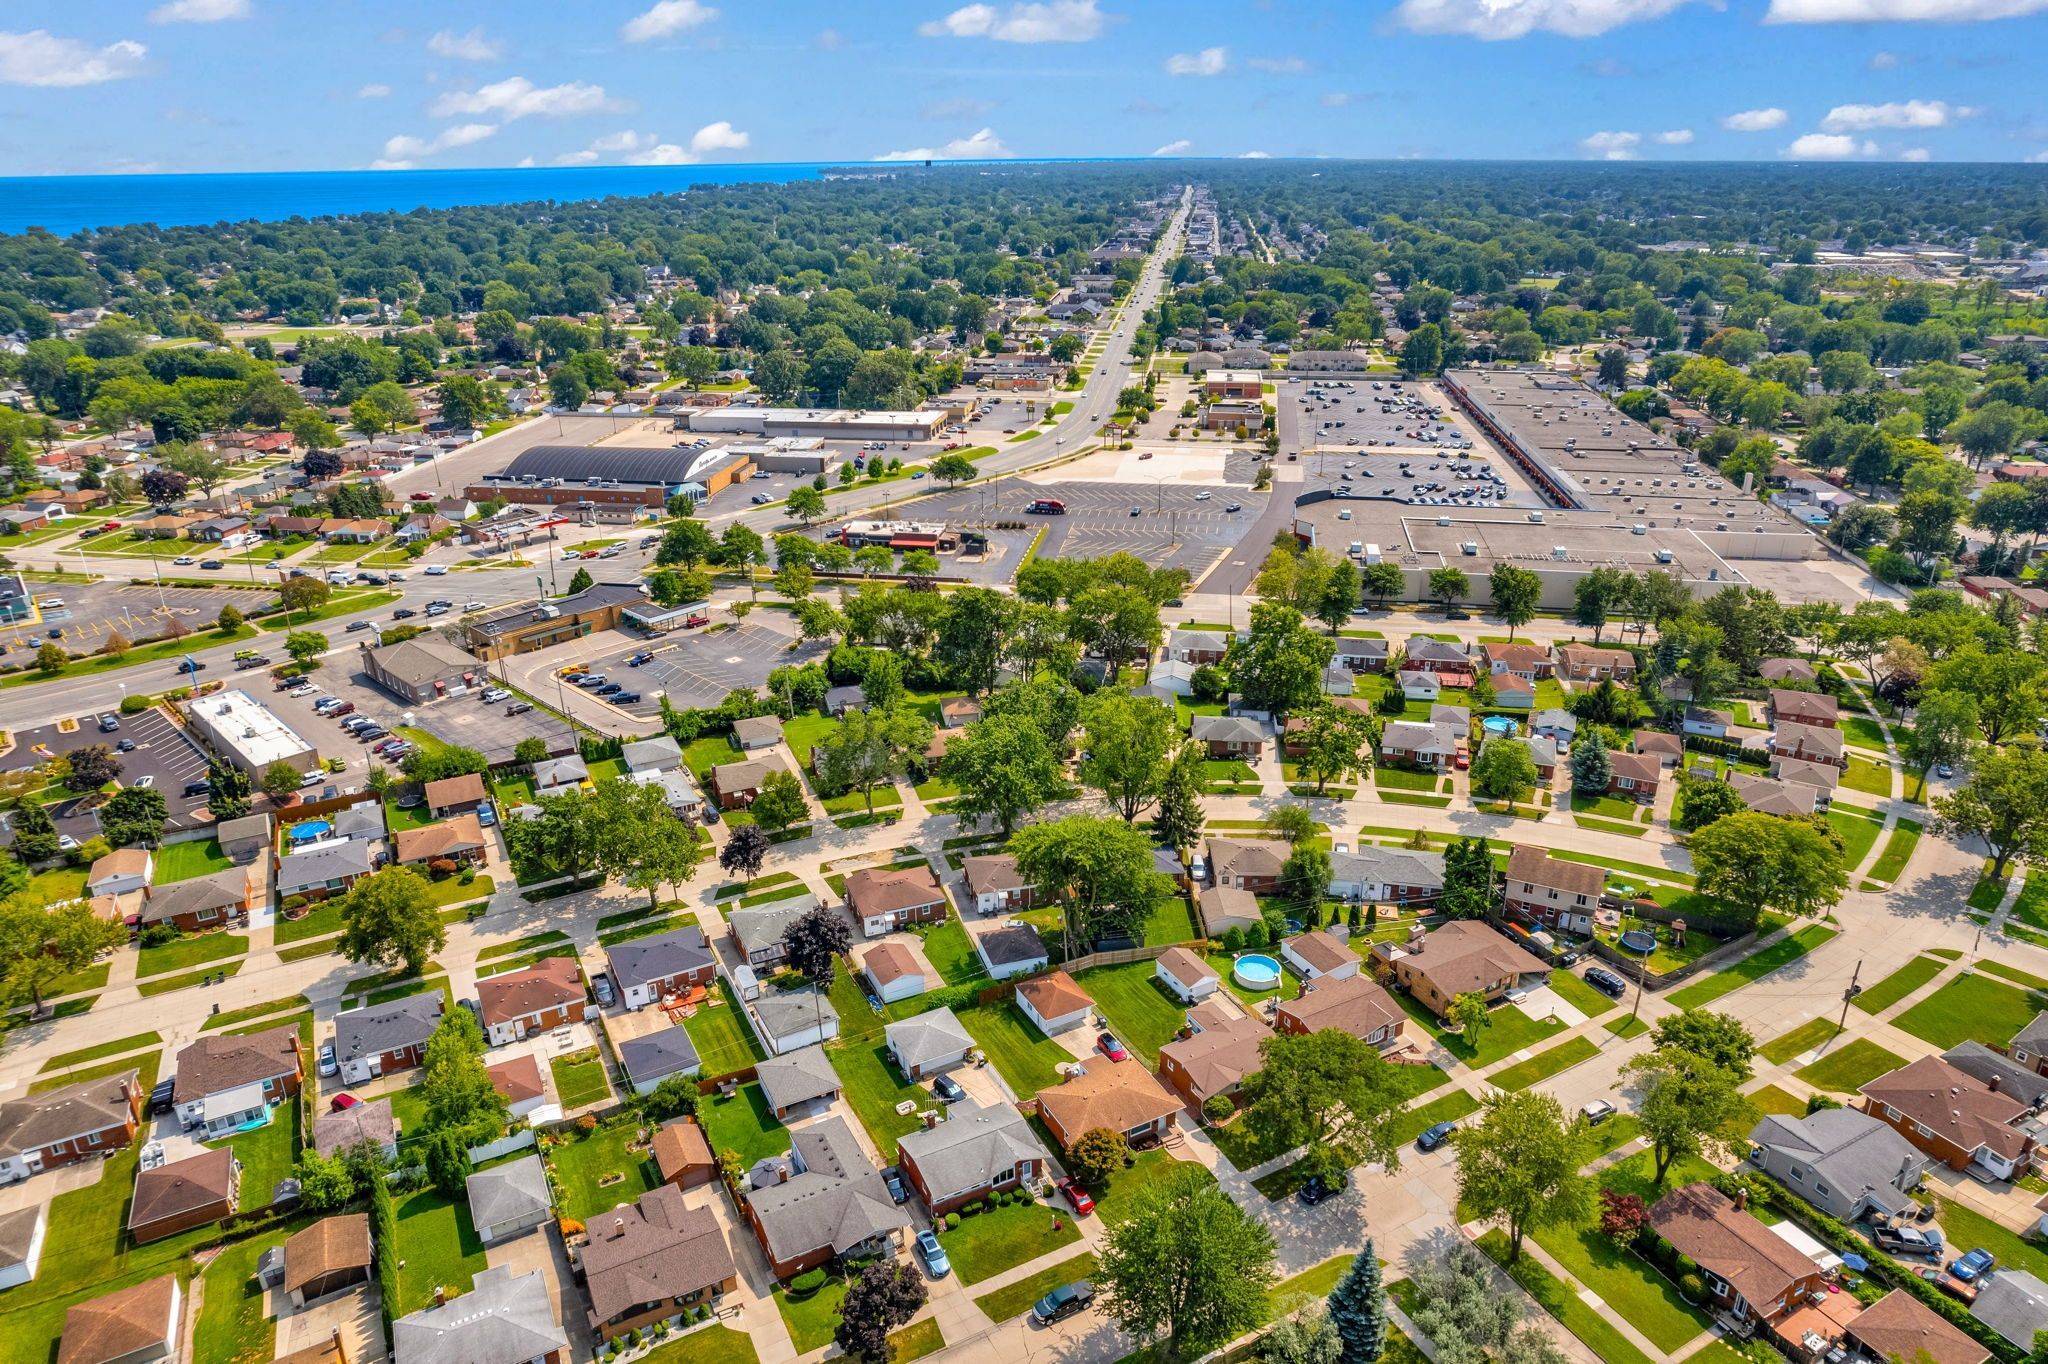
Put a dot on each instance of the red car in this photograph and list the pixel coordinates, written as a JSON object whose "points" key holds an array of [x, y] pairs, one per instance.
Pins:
{"points": [[422, 497], [1078, 1197], [1464, 760], [1107, 1044], [341, 1103]]}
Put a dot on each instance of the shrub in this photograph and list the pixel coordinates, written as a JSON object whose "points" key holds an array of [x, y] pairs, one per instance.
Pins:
{"points": [[807, 1283], [1218, 1107], [442, 867], [1233, 939], [588, 1122], [1816, 1102], [468, 877], [1692, 1286], [134, 705], [159, 935], [1027, 1195]]}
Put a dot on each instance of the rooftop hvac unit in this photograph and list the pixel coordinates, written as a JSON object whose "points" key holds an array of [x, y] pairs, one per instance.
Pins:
{"points": [[1559, 552], [1638, 529], [1470, 547], [1443, 520], [249, 732], [1535, 518], [1663, 556], [1713, 575]]}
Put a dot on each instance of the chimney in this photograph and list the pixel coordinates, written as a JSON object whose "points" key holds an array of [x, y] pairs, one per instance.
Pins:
{"points": [[1741, 1199], [1992, 1083], [440, 1296], [782, 1174]]}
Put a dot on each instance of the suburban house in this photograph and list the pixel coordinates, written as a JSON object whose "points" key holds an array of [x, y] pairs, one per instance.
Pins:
{"points": [[1230, 736], [1358, 1005], [1185, 975], [327, 1257], [821, 1201], [121, 871], [994, 885], [214, 1071], [2012, 1302], [1705, 722], [519, 1082], [1319, 956], [133, 1325], [1054, 1002], [840, 700], [1812, 743], [683, 1154], [757, 932], [1173, 677], [652, 1260], [1784, 798], [1582, 663], [1822, 777], [372, 1122], [379, 1039], [532, 999], [893, 971], [322, 870], [651, 1049], [504, 1318], [1011, 950], [1417, 685], [22, 1234], [1223, 908], [734, 785], [1248, 864], [978, 1150], [1222, 1048], [1376, 874], [1560, 726], [792, 1082], [1526, 661], [184, 1194], [2004, 1073], [454, 795], [1844, 1162], [1447, 659], [1552, 891], [509, 1200], [1462, 957], [789, 1019], [557, 775], [1803, 708], [2029, 1046], [77, 1121], [460, 840], [1122, 1096], [1786, 670], [1953, 1116], [659, 754], [1635, 775], [1513, 693], [925, 1044], [246, 839], [1432, 746], [647, 970], [363, 822], [957, 712], [1750, 1270], [1900, 1326], [756, 731], [203, 902], [887, 899], [1362, 655], [1543, 753], [1667, 749]]}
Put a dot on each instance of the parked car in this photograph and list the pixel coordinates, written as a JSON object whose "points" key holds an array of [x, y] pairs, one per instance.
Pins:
{"points": [[626, 698], [1077, 1197], [1907, 1241], [201, 787], [948, 1089], [601, 984], [1063, 1302], [899, 1189], [1974, 1265], [342, 1103], [327, 1062], [125, 746], [1597, 1112], [1948, 1283], [1435, 1136], [933, 1254], [493, 695], [1107, 1044], [1316, 1190], [1606, 982], [519, 708], [109, 724]]}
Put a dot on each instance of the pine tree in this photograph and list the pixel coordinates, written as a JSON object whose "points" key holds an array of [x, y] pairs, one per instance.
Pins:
{"points": [[1358, 1309], [1592, 768], [1177, 818]]}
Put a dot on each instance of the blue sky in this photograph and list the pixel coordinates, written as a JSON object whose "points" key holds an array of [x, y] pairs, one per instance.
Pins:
{"points": [[262, 85]]}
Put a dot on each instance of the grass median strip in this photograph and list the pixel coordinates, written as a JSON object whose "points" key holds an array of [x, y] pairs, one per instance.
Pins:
{"points": [[1556, 1297], [1753, 968], [1007, 1302], [1545, 1064], [1812, 1033], [1875, 999], [120, 1046]]}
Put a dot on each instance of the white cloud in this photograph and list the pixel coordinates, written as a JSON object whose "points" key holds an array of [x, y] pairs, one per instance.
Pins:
{"points": [[403, 151], [1898, 11], [1173, 148], [982, 146], [829, 40], [2039, 158], [1916, 154], [665, 20], [1278, 66], [1828, 147], [199, 11], [1334, 99], [40, 58], [647, 149], [1054, 21], [1882, 61], [955, 109], [473, 46], [1495, 19], [1210, 61], [1912, 113], [518, 97], [1676, 137], [373, 92], [1611, 146], [719, 137], [1254, 156], [1755, 120]]}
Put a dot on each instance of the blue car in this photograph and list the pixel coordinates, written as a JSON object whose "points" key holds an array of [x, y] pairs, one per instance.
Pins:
{"points": [[1973, 1266], [933, 1254], [485, 815]]}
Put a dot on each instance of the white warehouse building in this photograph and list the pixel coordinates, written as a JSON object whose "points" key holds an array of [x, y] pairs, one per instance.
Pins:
{"points": [[247, 733], [830, 423]]}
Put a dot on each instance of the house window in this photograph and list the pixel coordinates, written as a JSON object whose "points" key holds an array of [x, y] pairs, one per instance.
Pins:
{"points": [[92, 1139], [1821, 1190], [1799, 1173]]}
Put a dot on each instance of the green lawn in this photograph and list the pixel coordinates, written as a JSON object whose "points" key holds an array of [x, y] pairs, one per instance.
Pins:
{"points": [[1113, 1204], [1288, 988], [1508, 1031], [1970, 1008], [1751, 968], [234, 1324], [1876, 998], [1024, 1057], [723, 1038], [1872, 779], [1143, 1016], [1018, 1297], [874, 1087], [441, 1249], [1629, 1285], [2030, 906], [1545, 1064], [1996, 968], [811, 1319], [1172, 920], [120, 1046], [988, 1243], [712, 1344], [742, 1123], [1771, 1099], [1579, 995], [915, 1341], [1799, 1040], [1858, 834], [951, 953], [1451, 1107], [579, 1079], [1556, 1297], [194, 949], [266, 1155], [1400, 779], [581, 1164], [1898, 849], [1965, 1226], [183, 861], [1849, 1067]]}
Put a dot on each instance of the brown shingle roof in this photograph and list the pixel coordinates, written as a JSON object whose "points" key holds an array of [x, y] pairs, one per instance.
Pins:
{"points": [[1803, 705], [1539, 868], [191, 1185], [546, 984], [1356, 1005], [1637, 766], [219, 1062], [1219, 1056], [125, 1322], [120, 862], [454, 790], [1702, 1224], [1952, 1104], [681, 1146], [992, 873], [1185, 967], [39, 1120], [332, 1243], [460, 834], [1118, 1095], [1463, 956], [1245, 857], [890, 961], [652, 1251], [1321, 951], [1900, 1326], [517, 1079], [876, 891], [1054, 994]]}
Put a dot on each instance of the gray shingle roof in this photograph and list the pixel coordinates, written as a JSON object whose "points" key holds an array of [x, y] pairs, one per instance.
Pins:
{"points": [[391, 1026], [503, 1319], [657, 1055], [971, 1147], [301, 869], [762, 925], [798, 1077], [660, 751], [639, 960], [833, 1196], [928, 1037], [511, 1192], [1851, 1151], [2022, 1082], [2013, 1303]]}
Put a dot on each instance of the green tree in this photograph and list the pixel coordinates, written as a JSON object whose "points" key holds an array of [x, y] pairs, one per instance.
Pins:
{"points": [[1100, 868], [1125, 742], [466, 400], [459, 1095], [51, 658], [973, 626], [1336, 744], [1449, 585], [1944, 725], [1187, 1266], [954, 468], [805, 503], [1516, 593], [780, 801], [687, 543], [1383, 581], [40, 945], [1097, 1154], [882, 1297], [388, 917], [1177, 818], [230, 788], [134, 816], [1339, 596], [2004, 801], [1423, 352], [1688, 1106], [1717, 1038], [1121, 623], [1597, 595], [280, 779], [871, 748], [1504, 770], [1330, 1092], [305, 646], [1469, 1015], [530, 751], [1358, 1309], [1592, 765], [1703, 800], [1519, 1165], [1279, 664], [1006, 768], [1468, 880], [1756, 862]]}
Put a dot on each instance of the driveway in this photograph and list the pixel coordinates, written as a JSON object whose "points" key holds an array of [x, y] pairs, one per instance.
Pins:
{"points": [[542, 1250], [354, 1314]]}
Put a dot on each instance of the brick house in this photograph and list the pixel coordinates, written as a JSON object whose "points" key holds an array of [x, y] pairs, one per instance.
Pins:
{"points": [[219, 1064], [994, 885], [1634, 775], [1214, 1059], [1357, 1005], [534, 999], [203, 902], [1551, 891], [78, 1121], [1249, 864], [1432, 746], [1122, 1096], [1803, 708], [460, 840], [1811, 743], [1581, 663], [1750, 1270], [1462, 957], [652, 1260], [184, 1194], [1953, 1116], [1230, 736], [978, 1150], [661, 965], [885, 900], [821, 1200], [1526, 661], [382, 1039]]}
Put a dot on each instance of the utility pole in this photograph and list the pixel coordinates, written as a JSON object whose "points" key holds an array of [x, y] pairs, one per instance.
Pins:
{"points": [[1849, 994]]}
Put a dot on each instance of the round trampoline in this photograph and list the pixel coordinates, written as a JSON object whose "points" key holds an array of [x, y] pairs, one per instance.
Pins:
{"points": [[310, 830], [1256, 971], [1639, 940]]}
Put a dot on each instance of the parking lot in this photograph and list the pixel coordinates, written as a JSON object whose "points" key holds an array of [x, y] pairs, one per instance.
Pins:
{"points": [[162, 757], [465, 720], [695, 668], [93, 611]]}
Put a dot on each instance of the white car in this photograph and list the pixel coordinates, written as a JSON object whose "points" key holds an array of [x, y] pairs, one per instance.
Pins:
{"points": [[436, 570], [493, 695], [1203, 496], [184, 559]]}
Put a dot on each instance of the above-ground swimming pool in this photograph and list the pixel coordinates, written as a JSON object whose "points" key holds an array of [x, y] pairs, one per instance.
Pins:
{"points": [[1498, 724], [1256, 971], [310, 830]]}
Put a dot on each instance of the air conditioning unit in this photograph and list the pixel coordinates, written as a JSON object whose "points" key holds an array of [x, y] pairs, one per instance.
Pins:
{"points": [[1663, 556], [1560, 553], [1639, 529], [1470, 547]]}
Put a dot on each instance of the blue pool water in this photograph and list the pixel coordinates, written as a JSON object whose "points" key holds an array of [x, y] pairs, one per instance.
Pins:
{"points": [[1256, 971], [1498, 724]]}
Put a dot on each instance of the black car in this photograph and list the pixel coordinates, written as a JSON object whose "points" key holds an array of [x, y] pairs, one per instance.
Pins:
{"points": [[626, 698], [948, 1088], [160, 1096], [1606, 982], [518, 708], [404, 613], [356, 625], [1316, 1190], [199, 788], [1063, 1302], [191, 665], [1435, 1136]]}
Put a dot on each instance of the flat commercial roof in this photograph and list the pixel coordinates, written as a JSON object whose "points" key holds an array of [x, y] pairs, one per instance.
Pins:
{"points": [[635, 464], [246, 727]]}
